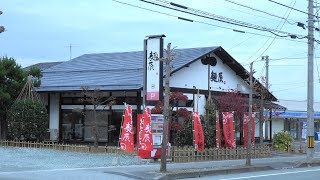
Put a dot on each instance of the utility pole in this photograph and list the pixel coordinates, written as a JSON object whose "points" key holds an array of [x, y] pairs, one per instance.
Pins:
{"points": [[166, 111], [266, 127], [263, 95], [310, 110], [248, 159]]}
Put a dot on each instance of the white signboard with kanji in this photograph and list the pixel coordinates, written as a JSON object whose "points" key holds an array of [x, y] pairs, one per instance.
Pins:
{"points": [[153, 69]]}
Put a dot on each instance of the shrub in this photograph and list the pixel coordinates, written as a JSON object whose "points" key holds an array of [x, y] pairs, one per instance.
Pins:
{"points": [[282, 141], [28, 119]]}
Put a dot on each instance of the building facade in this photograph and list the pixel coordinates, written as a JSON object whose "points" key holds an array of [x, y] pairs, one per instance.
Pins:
{"points": [[120, 75]]}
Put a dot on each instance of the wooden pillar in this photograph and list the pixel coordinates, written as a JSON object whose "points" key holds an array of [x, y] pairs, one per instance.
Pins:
{"points": [[299, 135]]}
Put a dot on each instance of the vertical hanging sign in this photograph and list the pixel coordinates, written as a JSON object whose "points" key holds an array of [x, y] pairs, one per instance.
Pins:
{"points": [[126, 137], [198, 132], [153, 67], [228, 130], [146, 142], [245, 128]]}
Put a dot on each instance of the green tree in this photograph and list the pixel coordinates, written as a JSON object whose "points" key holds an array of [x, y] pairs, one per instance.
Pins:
{"points": [[184, 136], [28, 119], [12, 79], [36, 76], [282, 141]]}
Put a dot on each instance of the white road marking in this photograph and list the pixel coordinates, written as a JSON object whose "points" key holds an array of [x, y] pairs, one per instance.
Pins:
{"points": [[274, 174], [73, 169]]}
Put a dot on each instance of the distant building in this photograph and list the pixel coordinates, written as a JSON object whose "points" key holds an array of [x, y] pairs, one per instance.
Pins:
{"points": [[294, 118]]}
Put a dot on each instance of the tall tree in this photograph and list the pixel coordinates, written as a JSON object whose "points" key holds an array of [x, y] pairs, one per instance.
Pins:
{"points": [[233, 101], [12, 79], [96, 98]]}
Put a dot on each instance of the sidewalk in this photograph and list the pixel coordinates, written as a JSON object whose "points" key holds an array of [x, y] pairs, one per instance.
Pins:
{"points": [[197, 169]]}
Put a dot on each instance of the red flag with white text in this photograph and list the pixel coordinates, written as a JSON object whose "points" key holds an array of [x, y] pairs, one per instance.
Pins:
{"points": [[146, 139], [198, 132], [228, 129], [245, 128], [126, 137]]}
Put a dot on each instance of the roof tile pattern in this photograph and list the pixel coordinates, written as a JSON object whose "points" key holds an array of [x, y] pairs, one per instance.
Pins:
{"points": [[109, 71]]}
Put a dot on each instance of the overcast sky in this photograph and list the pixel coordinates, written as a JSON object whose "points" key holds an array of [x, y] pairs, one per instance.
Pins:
{"points": [[41, 31]]}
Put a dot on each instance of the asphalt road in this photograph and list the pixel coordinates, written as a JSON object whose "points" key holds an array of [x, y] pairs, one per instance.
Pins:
{"points": [[310, 173]]}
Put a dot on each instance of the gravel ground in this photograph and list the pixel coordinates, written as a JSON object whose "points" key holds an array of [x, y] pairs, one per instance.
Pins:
{"points": [[22, 159]]}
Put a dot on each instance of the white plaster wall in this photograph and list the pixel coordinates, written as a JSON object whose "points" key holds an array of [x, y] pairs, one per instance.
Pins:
{"points": [[197, 75], [202, 104], [256, 128], [54, 116], [277, 126]]}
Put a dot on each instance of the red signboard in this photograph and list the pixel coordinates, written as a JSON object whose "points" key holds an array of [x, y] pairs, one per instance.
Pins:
{"points": [[126, 137], [228, 130], [146, 142], [245, 128], [198, 132]]}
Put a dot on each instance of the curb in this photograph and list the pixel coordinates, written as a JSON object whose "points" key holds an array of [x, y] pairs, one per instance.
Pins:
{"points": [[206, 172], [309, 164]]}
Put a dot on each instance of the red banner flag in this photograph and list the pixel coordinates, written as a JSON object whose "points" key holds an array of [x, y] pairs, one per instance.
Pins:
{"points": [[146, 139], [126, 137], [245, 128], [218, 131], [228, 130], [198, 132]]}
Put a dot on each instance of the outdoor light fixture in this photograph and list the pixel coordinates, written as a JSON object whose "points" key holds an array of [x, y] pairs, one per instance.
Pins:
{"points": [[209, 61]]}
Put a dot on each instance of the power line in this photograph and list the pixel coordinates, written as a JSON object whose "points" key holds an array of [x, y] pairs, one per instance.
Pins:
{"points": [[292, 8], [202, 22], [258, 10], [295, 87], [241, 42], [203, 14], [287, 83], [274, 38], [252, 14]]}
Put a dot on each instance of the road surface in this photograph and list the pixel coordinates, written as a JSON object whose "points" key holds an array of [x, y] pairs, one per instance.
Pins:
{"points": [[310, 173]]}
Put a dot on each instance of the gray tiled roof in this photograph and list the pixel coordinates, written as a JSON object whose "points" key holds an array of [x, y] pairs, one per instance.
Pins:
{"points": [[43, 66], [109, 71]]}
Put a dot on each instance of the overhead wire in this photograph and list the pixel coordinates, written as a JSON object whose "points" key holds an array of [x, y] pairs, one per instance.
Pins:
{"points": [[236, 45], [261, 11], [292, 8], [203, 14], [205, 23], [279, 90], [274, 38]]}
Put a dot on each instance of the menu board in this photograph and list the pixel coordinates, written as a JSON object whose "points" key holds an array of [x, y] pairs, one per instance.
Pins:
{"points": [[157, 121]]}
